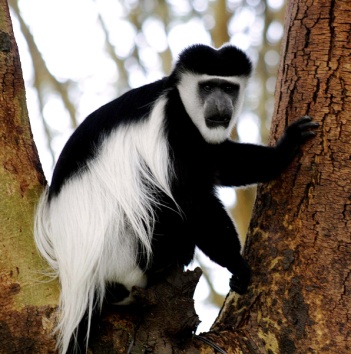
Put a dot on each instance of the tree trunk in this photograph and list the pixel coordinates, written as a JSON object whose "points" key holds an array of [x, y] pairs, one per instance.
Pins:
{"points": [[26, 303], [299, 244], [299, 239]]}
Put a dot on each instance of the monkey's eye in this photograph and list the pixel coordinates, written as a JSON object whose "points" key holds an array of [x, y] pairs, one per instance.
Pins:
{"points": [[207, 88], [230, 88]]}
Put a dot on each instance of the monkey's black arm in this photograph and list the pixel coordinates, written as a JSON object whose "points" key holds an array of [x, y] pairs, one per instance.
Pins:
{"points": [[214, 233], [243, 164]]}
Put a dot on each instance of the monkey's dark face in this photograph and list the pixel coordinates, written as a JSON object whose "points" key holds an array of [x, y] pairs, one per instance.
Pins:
{"points": [[213, 103], [218, 97]]}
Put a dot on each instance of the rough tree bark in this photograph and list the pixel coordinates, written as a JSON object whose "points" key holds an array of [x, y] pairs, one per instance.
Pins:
{"points": [[299, 239], [26, 309]]}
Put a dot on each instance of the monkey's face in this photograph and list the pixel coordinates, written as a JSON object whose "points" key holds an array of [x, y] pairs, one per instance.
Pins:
{"points": [[213, 103], [218, 98]]}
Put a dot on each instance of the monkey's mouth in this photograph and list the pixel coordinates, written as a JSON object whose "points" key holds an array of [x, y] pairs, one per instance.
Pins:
{"points": [[218, 121]]}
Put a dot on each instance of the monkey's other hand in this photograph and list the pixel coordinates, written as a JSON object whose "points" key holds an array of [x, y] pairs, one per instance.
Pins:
{"points": [[295, 135], [240, 279]]}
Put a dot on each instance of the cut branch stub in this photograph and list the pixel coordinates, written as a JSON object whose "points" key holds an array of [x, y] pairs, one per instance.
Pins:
{"points": [[162, 318]]}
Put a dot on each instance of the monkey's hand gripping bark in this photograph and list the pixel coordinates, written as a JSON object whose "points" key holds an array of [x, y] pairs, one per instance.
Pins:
{"points": [[286, 149]]}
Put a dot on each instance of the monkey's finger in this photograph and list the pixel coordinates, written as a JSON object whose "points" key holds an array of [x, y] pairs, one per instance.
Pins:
{"points": [[307, 134], [302, 120], [312, 125]]}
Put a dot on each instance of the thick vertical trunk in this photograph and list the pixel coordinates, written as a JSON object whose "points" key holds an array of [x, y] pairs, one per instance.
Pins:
{"points": [[26, 309], [300, 235]]}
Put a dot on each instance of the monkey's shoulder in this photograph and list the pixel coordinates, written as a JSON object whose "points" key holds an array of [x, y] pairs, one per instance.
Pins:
{"points": [[85, 142]]}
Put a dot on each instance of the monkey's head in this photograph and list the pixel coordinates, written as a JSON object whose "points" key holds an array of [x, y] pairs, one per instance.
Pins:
{"points": [[211, 84]]}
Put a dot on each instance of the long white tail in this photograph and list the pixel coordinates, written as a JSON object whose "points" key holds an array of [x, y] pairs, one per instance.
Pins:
{"points": [[90, 232]]}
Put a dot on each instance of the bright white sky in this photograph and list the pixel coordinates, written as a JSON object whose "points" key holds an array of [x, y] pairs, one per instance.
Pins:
{"points": [[72, 43]]}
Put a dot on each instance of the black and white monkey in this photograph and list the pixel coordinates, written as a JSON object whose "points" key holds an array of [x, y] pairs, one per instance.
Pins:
{"points": [[133, 191]]}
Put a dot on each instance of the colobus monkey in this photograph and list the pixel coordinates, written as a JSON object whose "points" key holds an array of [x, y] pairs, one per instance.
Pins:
{"points": [[133, 191]]}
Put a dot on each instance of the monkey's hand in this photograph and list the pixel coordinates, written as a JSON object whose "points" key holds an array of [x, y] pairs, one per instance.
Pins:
{"points": [[241, 278], [295, 135]]}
